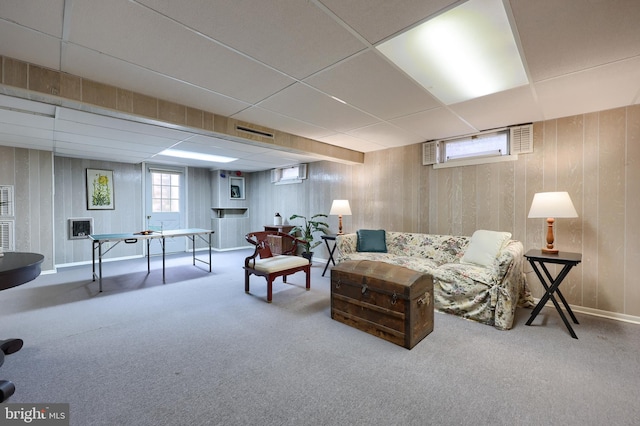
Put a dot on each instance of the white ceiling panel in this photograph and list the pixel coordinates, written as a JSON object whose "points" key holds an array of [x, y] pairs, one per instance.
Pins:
{"points": [[25, 140], [28, 45], [116, 72], [370, 83], [385, 134], [308, 68], [325, 41], [514, 106], [434, 124], [375, 20], [138, 35], [565, 96], [282, 122], [345, 140], [561, 37], [304, 103], [43, 16]]}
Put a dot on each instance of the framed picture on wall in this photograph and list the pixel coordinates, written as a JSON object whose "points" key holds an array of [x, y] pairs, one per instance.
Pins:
{"points": [[100, 195], [236, 188]]}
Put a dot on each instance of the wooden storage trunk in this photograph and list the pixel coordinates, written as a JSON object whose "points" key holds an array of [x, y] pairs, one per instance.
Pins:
{"points": [[388, 301]]}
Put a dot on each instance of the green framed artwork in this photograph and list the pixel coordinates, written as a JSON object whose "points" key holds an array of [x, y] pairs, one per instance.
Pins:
{"points": [[100, 194]]}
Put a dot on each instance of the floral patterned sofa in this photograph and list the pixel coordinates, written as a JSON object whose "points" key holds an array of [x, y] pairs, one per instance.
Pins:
{"points": [[488, 294]]}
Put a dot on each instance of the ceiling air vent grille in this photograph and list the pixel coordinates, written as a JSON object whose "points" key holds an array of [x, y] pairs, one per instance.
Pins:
{"points": [[429, 153], [255, 132], [521, 139]]}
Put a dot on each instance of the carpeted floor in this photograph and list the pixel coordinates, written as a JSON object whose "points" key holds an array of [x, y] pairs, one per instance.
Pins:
{"points": [[199, 351]]}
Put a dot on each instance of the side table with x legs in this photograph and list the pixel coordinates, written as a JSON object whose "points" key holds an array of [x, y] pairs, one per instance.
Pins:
{"points": [[538, 261], [331, 250]]}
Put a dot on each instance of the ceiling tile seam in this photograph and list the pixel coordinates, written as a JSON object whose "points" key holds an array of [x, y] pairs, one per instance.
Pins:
{"points": [[213, 40], [525, 64], [157, 73]]}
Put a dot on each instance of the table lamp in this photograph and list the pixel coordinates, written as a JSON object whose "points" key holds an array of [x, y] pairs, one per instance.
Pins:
{"points": [[340, 207], [551, 205]]}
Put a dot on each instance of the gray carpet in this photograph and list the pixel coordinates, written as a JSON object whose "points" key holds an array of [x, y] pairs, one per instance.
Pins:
{"points": [[199, 351]]}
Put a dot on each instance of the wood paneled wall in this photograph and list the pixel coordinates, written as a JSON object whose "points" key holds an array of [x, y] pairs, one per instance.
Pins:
{"points": [[595, 157], [30, 173]]}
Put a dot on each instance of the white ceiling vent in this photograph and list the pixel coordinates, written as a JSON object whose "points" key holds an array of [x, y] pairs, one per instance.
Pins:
{"points": [[521, 139], [429, 153]]}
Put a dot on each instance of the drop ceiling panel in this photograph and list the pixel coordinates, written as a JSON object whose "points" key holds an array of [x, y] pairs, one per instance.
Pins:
{"points": [[281, 122], [434, 124], [27, 45], [126, 127], [369, 82], [306, 104], [24, 140], [109, 70], [378, 19], [138, 35], [561, 37], [207, 141], [94, 149], [44, 16], [500, 109], [323, 41], [566, 96], [352, 142], [386, 135]]}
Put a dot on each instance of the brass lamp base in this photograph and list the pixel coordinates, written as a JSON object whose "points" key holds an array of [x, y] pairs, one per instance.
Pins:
{"points": [[549, 251]]}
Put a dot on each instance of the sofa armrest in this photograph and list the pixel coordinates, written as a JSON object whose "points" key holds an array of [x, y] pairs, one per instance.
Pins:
{"points": [[345, 244]]}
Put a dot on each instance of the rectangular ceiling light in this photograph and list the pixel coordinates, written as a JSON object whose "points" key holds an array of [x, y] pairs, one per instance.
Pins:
{"points": [[197, 156], [464, 53]]}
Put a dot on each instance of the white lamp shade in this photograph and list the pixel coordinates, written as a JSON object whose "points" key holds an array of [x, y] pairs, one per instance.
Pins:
{"points": [[340, 208], [552, 204]]}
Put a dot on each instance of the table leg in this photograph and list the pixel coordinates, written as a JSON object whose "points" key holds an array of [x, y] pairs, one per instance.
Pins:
{"points": [[148, 256], [209, 252], [100, 265], [162, 242], [549, 290], [93, 260], [330, 250]]}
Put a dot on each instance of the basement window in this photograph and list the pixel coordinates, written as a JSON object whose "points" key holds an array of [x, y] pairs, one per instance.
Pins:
{"points": [[477, 146]]}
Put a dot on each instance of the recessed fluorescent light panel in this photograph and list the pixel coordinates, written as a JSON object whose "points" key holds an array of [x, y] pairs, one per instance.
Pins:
{"points": [[197, 156], [464, 53]]}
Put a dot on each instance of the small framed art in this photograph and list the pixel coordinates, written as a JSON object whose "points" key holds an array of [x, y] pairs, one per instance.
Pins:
{"points": [[100, 194]]}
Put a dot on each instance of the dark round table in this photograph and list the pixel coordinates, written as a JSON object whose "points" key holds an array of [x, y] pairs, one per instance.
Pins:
{"points": [[18, 268]]}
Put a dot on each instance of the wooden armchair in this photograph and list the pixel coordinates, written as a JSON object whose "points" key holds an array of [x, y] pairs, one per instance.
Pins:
{"points": [[265, 263]]}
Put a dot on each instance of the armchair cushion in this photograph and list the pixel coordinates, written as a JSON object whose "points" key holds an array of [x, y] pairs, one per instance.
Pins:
{"points": [[279, 263]]}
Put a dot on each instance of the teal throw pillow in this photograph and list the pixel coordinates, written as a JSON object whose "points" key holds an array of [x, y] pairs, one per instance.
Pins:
{"points": [[370, 240]]}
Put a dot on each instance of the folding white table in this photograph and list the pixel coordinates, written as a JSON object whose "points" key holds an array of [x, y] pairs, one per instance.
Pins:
{"points": [[129, 238]]}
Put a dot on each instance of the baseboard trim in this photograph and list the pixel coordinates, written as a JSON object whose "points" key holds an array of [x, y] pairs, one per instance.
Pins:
{"points": [[597, 313]]}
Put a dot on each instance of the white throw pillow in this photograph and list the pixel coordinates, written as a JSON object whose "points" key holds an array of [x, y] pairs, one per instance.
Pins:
{"points": [[485, 247]]}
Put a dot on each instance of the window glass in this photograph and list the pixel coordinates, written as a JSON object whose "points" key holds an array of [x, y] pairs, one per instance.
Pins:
{"points": [[486, 145], [165, 192]]}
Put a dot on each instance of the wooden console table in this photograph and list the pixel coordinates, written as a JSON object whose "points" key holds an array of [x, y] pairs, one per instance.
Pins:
{"points": [[277, 244]]}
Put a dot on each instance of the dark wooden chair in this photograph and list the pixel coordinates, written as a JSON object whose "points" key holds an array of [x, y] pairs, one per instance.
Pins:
{"points": [[265, 263]]}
